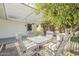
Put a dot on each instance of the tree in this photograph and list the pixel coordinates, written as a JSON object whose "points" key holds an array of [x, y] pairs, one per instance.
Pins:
{"points": [[60, 15]]}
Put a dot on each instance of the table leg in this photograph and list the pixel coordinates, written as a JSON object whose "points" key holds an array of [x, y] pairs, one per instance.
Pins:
{"points": [[37, 51]]}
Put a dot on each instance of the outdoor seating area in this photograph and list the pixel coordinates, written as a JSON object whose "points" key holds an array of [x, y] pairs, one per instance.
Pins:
{"points": [[28, 31], [38, 45]]}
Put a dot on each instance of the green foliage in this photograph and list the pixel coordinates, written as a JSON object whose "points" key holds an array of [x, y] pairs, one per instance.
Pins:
{"points": [[75, 39], [61, 15], [73, 53]]}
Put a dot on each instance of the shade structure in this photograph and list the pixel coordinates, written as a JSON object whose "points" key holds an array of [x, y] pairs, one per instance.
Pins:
{"points": [[19, 12]]}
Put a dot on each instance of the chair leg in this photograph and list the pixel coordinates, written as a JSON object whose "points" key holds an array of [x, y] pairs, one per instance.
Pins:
{"points": [[37, 50], [18, 49], [3, 47]]}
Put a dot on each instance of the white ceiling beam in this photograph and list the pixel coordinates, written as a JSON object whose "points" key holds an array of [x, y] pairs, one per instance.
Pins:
{"points": [[6, 18]]}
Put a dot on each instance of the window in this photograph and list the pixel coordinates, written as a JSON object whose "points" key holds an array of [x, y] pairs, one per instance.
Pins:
{"points": [[29, 27]]}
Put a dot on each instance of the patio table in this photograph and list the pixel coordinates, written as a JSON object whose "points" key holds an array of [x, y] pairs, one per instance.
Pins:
{"points": [[39, 39]]}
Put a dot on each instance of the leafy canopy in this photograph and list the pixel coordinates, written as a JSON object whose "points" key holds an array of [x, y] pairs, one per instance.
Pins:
{"points": [[61, 15]]}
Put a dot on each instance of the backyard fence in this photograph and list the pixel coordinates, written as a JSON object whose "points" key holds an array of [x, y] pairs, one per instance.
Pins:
{"points": [[74, 47]]}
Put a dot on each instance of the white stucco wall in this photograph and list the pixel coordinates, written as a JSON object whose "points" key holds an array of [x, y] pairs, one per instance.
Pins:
{"points": [[10, 28]]}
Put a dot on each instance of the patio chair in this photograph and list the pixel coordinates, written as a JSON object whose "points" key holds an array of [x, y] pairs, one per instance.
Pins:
{"points": [[50, 35], [64, 46], [52, 47], [25, 47], [57, 48]]}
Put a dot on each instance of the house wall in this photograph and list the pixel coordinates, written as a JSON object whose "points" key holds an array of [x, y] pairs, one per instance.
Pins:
{"points": [[10, 28]]}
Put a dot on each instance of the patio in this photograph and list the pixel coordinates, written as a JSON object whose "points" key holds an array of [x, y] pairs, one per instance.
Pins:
{"points": [[24, 33], [11, 48]]}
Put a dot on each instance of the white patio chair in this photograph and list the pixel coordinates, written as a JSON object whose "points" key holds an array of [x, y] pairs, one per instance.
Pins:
{"points": [[64, 45], [61, 36], [25, 47], [57, 47], [50, 35], [52, 47]]}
